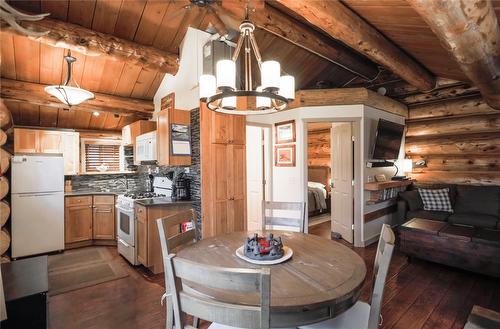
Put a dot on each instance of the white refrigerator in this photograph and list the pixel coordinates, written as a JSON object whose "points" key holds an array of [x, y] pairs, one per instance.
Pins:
{"points": [[37, 204]]}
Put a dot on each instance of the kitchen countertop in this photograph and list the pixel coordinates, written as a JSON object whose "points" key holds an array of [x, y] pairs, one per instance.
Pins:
{"points": [[77, 193], [161, 202]]}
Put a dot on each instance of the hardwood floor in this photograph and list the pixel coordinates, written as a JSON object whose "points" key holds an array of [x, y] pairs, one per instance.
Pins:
{"points": [[418, 294]]}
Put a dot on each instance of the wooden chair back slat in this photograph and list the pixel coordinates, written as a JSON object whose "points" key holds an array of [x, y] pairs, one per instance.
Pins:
{"points": [[229, 279], [273, 215], [380, 269]]}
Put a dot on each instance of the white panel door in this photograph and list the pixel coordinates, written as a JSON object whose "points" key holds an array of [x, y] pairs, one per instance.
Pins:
{"points": [[342, 178], [255, 177]]}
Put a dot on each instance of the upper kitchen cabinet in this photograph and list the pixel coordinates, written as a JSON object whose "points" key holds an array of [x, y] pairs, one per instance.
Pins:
{"points": [[32, 141], [173, 135], [131, 131]]}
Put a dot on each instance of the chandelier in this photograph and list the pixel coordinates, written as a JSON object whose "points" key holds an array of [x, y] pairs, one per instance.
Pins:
{"points": [[220, 94], [67, 94]]}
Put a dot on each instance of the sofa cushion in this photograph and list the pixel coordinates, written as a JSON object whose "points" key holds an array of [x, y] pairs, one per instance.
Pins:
{"points": [[474, 219], [436, 215], [478, 199], [436, 199], [413, 199]]}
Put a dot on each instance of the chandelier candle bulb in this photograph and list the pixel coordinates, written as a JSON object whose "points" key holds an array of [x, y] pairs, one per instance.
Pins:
{"points": [[262, 102], [226, 74], [207, 86], [287, 87], [271, 72], [229, 102]]}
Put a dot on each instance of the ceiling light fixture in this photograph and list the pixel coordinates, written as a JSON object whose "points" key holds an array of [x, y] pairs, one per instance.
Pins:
{"points": [[96, 114], [220, 94], [67, 94]]}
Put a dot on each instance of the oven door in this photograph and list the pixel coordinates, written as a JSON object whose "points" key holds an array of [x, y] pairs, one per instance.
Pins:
{"points": [[125, 225]]}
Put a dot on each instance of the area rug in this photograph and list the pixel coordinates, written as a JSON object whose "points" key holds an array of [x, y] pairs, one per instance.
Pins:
{"points": [[80, 268]]}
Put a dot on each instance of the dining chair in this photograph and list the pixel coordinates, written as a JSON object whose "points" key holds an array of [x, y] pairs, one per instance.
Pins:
{"points": [[224, 314], [363, 315], [287, 215], [171, 237]]}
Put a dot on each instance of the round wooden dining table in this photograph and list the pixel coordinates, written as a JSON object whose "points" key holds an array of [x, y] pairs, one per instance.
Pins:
{"points": [[321, 280]]}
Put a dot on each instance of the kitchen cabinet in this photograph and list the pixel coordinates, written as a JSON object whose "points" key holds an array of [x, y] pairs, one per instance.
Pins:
{"points": [[34, 141], [148, 240], [165, 118], [89, 220], [137, 128], [223, 172], [103, 217], [78, 219]]}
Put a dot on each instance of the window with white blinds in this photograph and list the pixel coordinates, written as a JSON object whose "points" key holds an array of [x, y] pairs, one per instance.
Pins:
{"points": [[101, 154]]}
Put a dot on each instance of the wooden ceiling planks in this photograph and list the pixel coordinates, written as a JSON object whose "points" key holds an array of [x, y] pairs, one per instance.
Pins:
{"points": [[404, 26]]}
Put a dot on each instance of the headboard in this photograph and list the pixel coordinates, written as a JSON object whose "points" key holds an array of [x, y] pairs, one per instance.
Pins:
{"points": [[320, 175]]}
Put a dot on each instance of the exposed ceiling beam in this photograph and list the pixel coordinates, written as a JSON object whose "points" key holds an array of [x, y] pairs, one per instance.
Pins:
{"points": [[93, 43], [341, 23], [290, 29], [469, 30], [34, 93]]}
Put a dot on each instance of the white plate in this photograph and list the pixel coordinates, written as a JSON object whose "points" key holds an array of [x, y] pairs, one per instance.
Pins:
{"points": [[288, 252]]}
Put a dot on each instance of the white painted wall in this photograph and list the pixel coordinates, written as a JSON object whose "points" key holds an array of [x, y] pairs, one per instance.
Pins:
{"points": [[290, 183], [185, 82]]}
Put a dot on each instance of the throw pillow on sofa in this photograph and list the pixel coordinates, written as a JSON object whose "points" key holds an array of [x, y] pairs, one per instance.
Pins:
{"points": [[436, 199], [413, 200]]}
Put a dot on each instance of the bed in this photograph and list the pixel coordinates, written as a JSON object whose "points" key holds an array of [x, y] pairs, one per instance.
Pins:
{"points": [[318, 190]]}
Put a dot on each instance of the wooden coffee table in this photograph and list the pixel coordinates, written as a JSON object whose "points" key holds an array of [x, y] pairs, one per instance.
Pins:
{"points": [[323, 279]]}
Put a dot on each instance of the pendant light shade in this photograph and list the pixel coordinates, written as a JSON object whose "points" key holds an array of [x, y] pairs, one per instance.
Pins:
{"points": [[226, 74], [64, 92], [207, 85], [287, 87], [271, 75], [69, 95]]}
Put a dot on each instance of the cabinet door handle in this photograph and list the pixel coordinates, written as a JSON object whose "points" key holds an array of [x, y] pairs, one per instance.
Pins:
{"points": [[104, 211], [90, 206]]}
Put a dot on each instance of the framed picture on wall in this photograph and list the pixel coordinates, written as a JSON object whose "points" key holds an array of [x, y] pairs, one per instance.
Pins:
{"points": [[284, 155], [284, 132]]}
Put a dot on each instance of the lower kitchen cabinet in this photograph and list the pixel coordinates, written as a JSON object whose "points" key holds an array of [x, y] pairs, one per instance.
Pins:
{"points": [[148, 240], [103, 225], [89, 220]]}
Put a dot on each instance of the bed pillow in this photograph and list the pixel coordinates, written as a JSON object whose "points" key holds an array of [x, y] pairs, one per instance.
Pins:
{"points": [[413, 200], [315, 184], [436, 199]]}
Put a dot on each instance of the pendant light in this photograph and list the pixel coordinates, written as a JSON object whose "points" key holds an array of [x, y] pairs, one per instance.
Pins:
{"points": [[65, 93], [220, 94]]}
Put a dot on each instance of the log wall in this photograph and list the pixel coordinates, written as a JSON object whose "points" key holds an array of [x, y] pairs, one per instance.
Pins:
{"points": [[459, 140], [318, 148]]}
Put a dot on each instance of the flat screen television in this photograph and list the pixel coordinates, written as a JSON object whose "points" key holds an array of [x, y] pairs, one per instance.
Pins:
{"points": [[388, 140]]}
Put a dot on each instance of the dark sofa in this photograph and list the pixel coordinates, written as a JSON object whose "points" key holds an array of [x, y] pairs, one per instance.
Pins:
{"points": [[468, 238]]}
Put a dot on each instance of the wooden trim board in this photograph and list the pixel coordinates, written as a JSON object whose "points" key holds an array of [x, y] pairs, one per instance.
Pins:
{"points": [[348, 96], [380, 212]]}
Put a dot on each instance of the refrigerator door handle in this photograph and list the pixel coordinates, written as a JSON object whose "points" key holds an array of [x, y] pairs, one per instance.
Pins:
{"points": [[26, 195]]}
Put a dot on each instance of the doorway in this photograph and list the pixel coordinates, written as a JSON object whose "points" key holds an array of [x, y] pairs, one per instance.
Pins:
{"points": [[330, 183], [258, 172]]}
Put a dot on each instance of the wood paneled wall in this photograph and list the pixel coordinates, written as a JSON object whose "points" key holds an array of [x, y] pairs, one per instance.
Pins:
{"points": [[318, 148], [459, 140]]}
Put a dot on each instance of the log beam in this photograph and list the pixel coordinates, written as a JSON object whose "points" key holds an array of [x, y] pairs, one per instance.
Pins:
{"points": [[93, 43], [34, 93], [469, 30], [291, 30], [338, 21]]}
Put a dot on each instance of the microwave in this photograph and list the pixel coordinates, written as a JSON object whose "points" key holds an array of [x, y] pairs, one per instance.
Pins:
{"points": [[145, 147]]}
